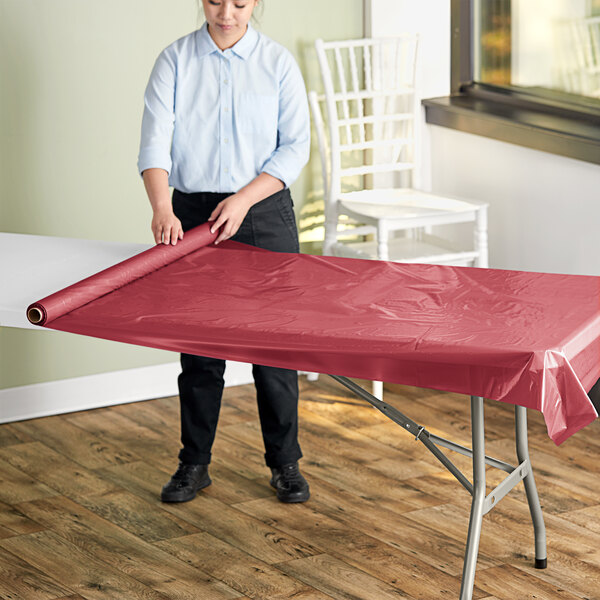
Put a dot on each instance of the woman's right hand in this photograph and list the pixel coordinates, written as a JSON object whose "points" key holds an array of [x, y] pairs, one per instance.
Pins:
{"points": [[166, 227]]}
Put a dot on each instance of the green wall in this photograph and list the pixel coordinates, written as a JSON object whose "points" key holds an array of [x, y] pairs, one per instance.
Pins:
{"points": [[72, 78]]}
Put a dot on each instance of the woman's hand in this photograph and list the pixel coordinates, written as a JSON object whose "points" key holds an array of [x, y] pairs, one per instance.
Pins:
{"points": [[166, 227], [228, 215]]}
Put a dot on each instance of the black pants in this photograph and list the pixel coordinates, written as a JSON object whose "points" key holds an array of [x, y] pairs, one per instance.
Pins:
{"points": [[271, 225]]}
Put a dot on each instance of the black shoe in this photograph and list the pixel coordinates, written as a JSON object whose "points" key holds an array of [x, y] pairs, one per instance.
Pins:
{"points": [[289, 483], [184, 484]]}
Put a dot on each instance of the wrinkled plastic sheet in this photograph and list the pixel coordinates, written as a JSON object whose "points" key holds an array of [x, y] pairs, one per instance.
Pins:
{"points": [[531, 339]]}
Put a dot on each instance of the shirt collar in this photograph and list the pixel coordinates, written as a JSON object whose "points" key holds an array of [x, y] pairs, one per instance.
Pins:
{"points": [[242, 48]]}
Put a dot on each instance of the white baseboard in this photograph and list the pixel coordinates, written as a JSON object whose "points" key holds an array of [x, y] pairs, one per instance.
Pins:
{"points": [[104, 389]]}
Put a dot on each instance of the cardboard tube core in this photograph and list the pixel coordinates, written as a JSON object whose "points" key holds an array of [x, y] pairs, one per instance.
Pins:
{"points": [[35, 315]]}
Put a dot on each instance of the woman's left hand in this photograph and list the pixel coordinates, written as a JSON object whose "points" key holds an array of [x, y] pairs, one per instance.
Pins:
{"points": [[229, 214]]}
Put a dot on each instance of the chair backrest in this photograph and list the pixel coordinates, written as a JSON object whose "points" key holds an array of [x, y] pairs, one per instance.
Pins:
{"points": [[579, 55], [369, 87], [586, 33]]}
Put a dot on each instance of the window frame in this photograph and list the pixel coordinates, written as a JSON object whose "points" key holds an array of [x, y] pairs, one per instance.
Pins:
{"points": [[540, 118]]}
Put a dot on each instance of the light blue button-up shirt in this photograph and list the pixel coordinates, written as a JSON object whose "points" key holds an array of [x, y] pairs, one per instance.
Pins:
{"points": [[214, 119]]}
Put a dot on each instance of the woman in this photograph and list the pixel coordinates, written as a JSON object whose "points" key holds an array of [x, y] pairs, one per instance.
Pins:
{"points": [[226, 125]]}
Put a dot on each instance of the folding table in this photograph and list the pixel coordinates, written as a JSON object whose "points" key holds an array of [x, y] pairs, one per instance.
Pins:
{"points": [[529, 339]]}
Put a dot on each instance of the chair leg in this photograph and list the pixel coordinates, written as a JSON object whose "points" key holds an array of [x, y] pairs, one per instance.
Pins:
{"points": [[481, 238], [331, 223], [475, 522], [378, 389], [539, 528], [382, 241]]}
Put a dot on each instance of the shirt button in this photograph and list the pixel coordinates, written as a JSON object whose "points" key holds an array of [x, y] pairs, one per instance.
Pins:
{"points": [[226, 140], [226, 81], [226, 109], [226, 170]]}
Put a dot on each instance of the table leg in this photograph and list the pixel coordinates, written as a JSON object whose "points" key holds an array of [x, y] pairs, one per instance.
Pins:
{"points": [[481, 503], [539, 528], [472, 549]]}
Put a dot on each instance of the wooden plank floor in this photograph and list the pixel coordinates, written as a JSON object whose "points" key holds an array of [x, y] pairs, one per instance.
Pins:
{"points": [[80, 515]]}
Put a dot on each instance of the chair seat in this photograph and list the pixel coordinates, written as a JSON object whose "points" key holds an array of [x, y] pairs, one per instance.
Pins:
{"points": [[429, 250], [406, 205]]}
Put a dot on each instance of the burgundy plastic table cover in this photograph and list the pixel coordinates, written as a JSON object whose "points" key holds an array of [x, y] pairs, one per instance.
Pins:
{"points": [[531, 339]]}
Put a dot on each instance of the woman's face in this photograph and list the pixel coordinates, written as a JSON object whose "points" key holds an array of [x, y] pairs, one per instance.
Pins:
{"points": [[228, 19]]}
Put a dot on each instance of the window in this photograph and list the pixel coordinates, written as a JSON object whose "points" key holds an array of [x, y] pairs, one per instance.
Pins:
{"points": [[526, 72], [552, 44]]}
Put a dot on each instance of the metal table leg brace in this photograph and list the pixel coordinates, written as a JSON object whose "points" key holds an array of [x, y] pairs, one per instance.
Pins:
{"points": [[481, 503]]}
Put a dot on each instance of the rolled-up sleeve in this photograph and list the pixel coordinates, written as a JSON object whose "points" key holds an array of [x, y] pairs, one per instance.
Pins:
{"points": [[293, 128], [158, 119]]}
